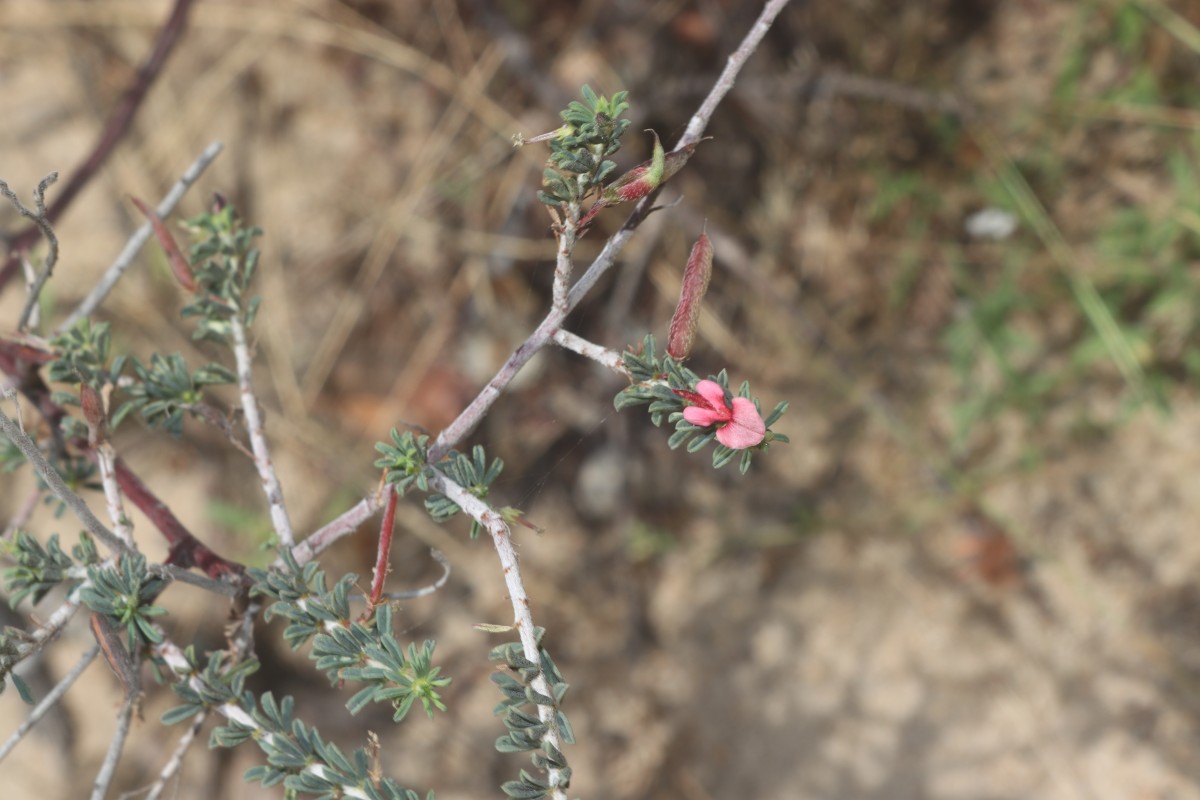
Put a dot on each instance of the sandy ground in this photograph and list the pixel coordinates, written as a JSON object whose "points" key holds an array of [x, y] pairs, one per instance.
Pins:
{"points": [[876, 611]]}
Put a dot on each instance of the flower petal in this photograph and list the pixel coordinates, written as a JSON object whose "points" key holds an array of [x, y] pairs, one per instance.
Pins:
{"points": [[713, 393], [698, 415], [746, 429]]}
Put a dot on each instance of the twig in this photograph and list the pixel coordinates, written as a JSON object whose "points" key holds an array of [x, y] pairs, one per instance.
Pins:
{"points": [[563, 262], [125, 665], [258, 440], [176, 760], [222, 586], [345, 524], [501, 535], [186, 550], [733, 66], [50, 475], [41, 223], [22, 514], [599, 354], [47, 703], [46, 631], [109, 767], [423, 591], [409, 594], [122, 525], [140, 237], [114, 131]]}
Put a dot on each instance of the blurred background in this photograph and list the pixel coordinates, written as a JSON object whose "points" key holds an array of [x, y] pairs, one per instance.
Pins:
{"points": [[959, 236]]}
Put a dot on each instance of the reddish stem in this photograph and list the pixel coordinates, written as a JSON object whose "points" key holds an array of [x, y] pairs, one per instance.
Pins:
{"points": [[186, 550], [21, 363], [114, 130], [383, 557]]}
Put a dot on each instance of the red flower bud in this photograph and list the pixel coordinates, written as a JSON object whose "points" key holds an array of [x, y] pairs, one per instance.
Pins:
{"points": [[642, 179]]}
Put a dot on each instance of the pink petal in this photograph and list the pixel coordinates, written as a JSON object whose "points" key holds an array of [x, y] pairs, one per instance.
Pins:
{"points": [[698, 415], [746, 429], [713, 393]]}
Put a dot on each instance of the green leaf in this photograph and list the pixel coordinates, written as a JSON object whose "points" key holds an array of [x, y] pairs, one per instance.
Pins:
{"points": [[180, 713], [22, 688]]}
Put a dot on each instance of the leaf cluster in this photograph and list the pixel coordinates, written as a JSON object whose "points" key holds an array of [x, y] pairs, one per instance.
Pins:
{"points": [[654, 380], [579, 155], [125, 592], [473, 474], [224, 261], [83, 353], [165, 390], [365, 651], [406, 463], [297, 756], [218, 683], [305, 763], [519, 710], [38, 568]]}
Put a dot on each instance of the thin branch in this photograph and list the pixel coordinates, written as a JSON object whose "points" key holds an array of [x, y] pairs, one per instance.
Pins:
{"points": [[174, 659], [46, 632], [122, 525], [22, 514], [41, 222], [564, 260], [114, 130], [48, 702], [733, 66], [222, 585], [409, 594], [50, 475], [344, 524], [140, 237], [501, 535], [186, 550], [109, 767], [176, 760], [601, 355], [258, 440]]}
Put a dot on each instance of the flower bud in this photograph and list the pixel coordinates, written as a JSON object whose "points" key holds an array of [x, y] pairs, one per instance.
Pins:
{"points": [[93, 412], [642, 179]]}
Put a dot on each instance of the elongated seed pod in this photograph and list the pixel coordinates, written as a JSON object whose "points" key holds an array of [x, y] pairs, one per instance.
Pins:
{"points": [[179, 264], [695, 283]]}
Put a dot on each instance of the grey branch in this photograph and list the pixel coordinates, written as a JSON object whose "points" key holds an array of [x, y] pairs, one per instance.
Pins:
{"points": [[140, 237], [57, 485], [42, 221], [49, 700]]}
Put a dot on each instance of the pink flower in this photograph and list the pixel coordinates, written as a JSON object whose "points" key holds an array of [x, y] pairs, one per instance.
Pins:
{"points": [[737, 428]]}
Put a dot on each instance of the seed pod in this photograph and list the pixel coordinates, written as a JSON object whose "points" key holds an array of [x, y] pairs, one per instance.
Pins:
{"points": [[179, 265], [695, 283]]}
